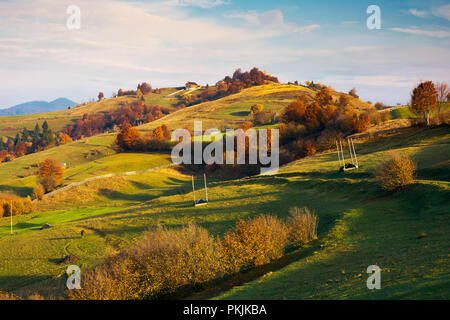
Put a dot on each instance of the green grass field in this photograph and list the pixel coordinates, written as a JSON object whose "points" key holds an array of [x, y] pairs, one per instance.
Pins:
{"points": [[360, 224]]}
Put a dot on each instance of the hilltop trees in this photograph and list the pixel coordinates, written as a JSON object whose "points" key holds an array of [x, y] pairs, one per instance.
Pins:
{"points": [[144, 87], [50, 174], [424, 99], [353, 93], [100, 96]]}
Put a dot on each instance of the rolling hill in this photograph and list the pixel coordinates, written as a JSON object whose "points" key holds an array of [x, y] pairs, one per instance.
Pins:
{"points": [[359, 225]]}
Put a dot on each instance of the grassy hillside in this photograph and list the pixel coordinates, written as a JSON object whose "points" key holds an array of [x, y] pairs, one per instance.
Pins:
{"points": [[233, 110], [359, 225], [83, 160]]}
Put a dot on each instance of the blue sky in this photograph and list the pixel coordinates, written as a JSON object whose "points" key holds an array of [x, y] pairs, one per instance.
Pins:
{"points": [[168, 42]]}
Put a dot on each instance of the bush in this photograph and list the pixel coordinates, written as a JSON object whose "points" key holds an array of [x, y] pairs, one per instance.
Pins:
{"points": [[20, 206], [164, 261], [257, 108], [254, 243], [38, 192], [302, 226], [396, 172], [8, 296]]}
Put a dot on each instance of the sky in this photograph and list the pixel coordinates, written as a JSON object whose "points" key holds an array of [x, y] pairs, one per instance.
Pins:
{"points": [[168, 42]]}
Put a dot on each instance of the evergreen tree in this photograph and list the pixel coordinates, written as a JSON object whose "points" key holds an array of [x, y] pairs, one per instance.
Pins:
{"points": [[36, 132], [17, 139], [44, 128], [25, 134]]}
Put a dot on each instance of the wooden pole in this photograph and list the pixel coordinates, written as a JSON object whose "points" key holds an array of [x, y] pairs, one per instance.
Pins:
{"points": [[342, 151], [193, 188], [354, 152], [350, 149], [339, 153], [206, 187]]}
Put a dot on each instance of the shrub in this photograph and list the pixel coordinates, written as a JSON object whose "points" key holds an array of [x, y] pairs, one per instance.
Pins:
{"points": [[261, 118], [8, 296], [254, 242], [310, 148], [256, 108], [396, 172], [302, 226], [164, 261], [20, 206], [38, 192]]}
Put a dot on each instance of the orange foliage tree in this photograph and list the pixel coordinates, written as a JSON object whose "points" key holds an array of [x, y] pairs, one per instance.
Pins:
{"points": [[50, 174], [127, 137], [324, 97], [424, 99]]}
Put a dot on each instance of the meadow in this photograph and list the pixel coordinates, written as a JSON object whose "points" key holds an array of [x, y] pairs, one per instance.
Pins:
{"points": [[359, 225]]}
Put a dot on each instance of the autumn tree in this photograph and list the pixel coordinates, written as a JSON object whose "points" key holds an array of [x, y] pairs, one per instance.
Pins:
{"points": [[145, 87], [443, 92], [64, 139], [3, 155], [127, 137], [21, 149], [353, 93], [256, 108], [324, 97], [295, 111], [50, 174], [343, 100], [423, 100]]}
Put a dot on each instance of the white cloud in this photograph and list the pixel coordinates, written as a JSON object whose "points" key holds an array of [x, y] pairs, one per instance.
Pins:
{"points": [[416, 12], [273, 19], [421, 32], [443, 11]]}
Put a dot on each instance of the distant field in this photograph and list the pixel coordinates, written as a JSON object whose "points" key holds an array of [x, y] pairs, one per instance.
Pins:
{"points": [[359, 225]]}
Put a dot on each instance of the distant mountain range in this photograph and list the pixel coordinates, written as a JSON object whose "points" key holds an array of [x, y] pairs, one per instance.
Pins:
{"points": [[38, 107]]}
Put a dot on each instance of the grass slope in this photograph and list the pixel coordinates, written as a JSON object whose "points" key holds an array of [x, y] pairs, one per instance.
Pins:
{"points": [[360, 225], [233, 110]]}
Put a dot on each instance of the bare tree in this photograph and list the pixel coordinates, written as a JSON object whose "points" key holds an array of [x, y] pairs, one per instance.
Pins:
{"points": [[443, 90]]}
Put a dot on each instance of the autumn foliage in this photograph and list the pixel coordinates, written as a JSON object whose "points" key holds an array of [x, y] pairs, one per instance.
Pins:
{"points": [[424, 99], [396, 172], [126, 139], [50, 174]]}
